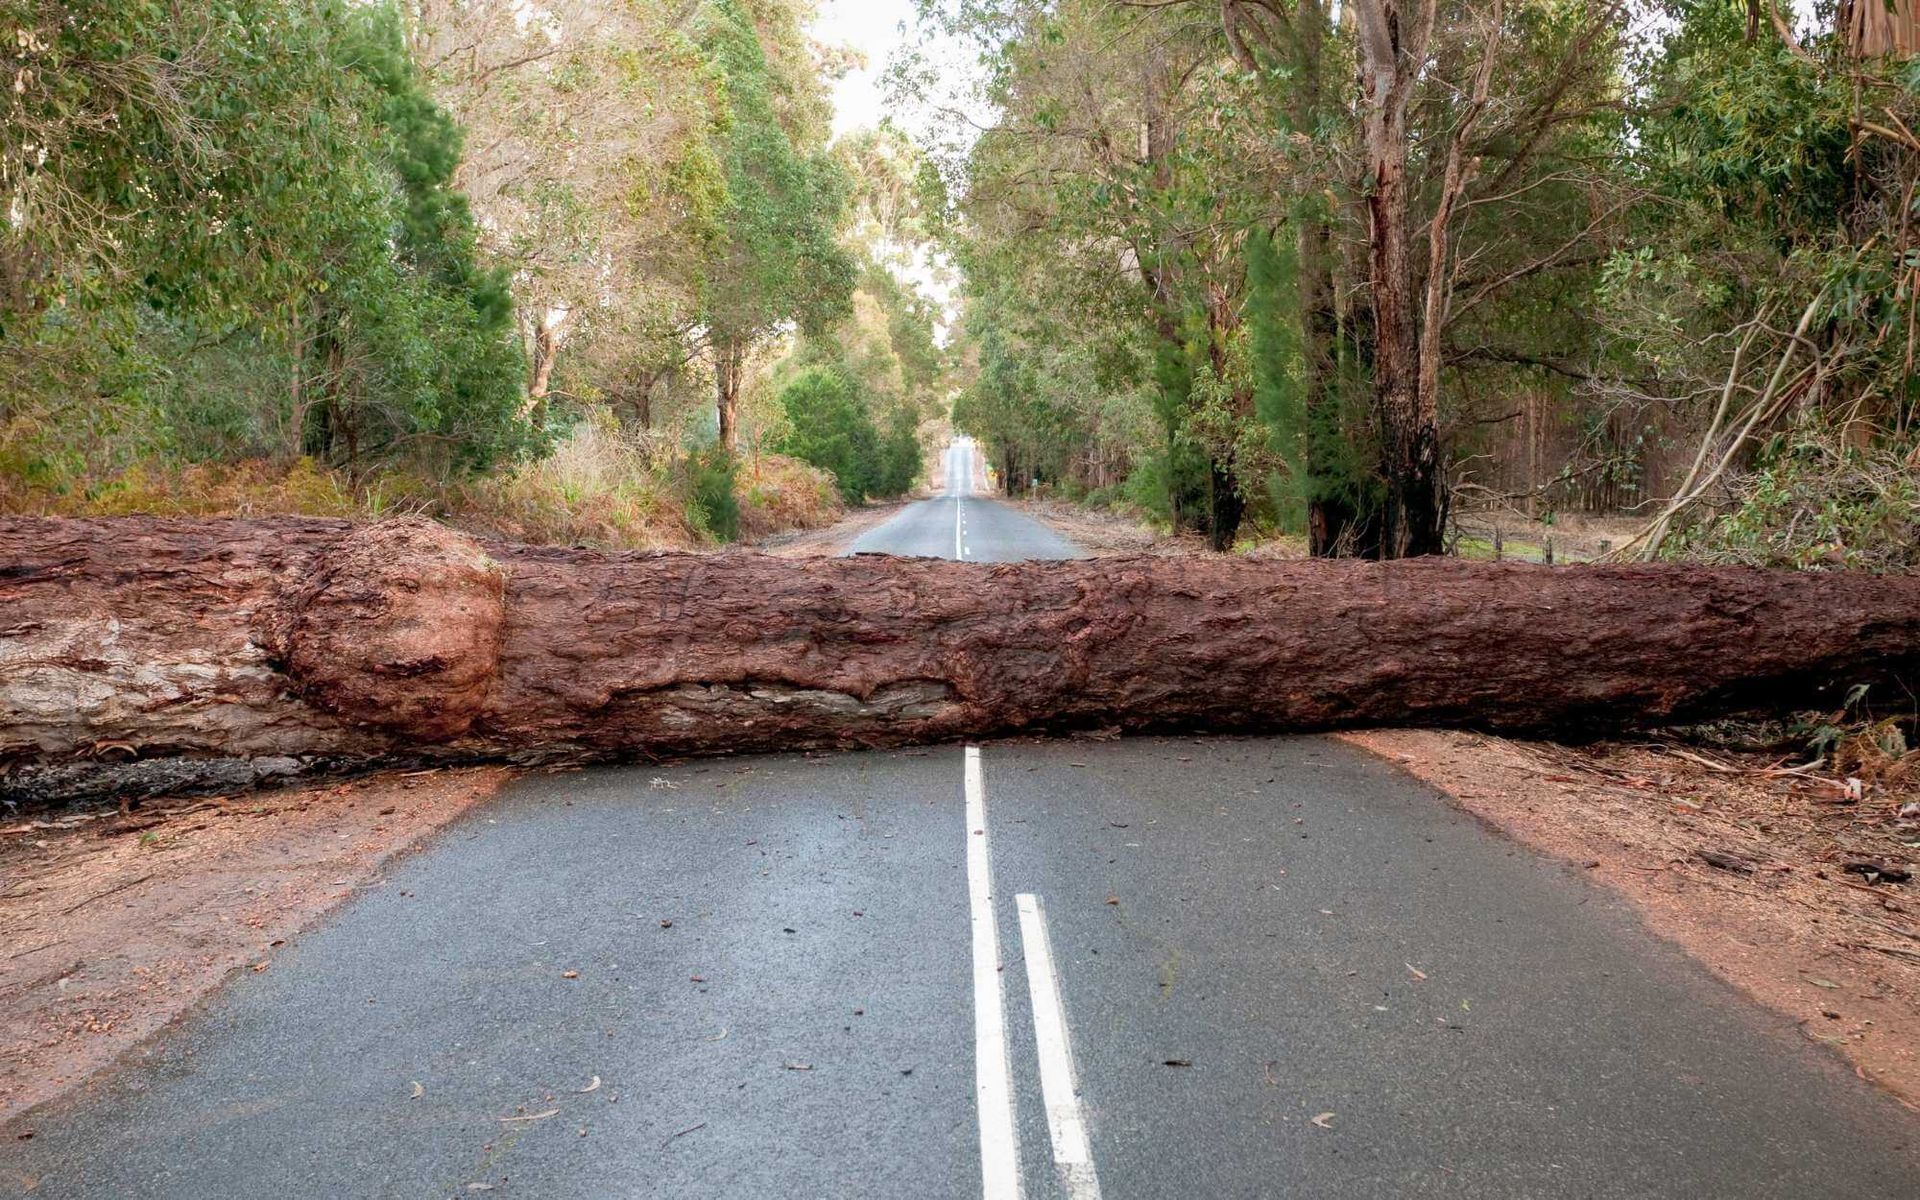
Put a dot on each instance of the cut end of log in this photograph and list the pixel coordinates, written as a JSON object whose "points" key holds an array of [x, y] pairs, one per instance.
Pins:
{"points": [[399, 629]]}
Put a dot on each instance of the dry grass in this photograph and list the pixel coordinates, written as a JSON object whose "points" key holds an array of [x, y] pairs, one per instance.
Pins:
{"points": [[598, 488], [778, 494]]}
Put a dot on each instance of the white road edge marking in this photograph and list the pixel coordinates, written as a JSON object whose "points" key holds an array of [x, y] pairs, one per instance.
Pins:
{"points": [[959, 548], [992, 1083], [1066, 1120]]}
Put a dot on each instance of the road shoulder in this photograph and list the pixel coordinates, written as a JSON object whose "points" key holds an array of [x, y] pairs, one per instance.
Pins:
{"points": [[836, 539], [1741, 866], [119, 923]]}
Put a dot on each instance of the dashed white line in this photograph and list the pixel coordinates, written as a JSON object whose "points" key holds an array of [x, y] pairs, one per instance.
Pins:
{"points": [[1066, 1119], [992, 1084]]}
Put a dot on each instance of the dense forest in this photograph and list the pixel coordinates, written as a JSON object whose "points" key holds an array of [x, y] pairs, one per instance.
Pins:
{"points": [[1350, 271], [1347, 275], [586, 270]]}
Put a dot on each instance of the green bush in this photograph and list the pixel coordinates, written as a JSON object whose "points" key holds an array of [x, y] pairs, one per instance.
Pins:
{"points": [[712, 504], [829, 427]]}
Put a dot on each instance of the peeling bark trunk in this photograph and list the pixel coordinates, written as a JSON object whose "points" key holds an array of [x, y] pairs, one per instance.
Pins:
{"points": [[548, 331], [168, 640], [1393, 50], [729, 367]]}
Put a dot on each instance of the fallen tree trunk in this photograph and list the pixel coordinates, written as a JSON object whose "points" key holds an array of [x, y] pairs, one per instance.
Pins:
{"points": [[131, 643]]}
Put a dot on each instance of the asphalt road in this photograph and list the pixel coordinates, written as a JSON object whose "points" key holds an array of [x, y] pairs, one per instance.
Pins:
{"points": [[961, 523], [1142, 968]]}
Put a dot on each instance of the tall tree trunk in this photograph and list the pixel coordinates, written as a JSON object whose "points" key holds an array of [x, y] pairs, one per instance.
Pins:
{"points": [[1393, 50], [729, 365], [1335, 523], [297, 398], [547, 333], [1331, 512], [643, 402], [1225, 506]]}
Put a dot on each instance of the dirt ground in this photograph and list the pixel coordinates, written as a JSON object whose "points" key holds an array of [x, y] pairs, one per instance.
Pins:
{"points": [[832, 539], [1760, 873], [113, 925]]}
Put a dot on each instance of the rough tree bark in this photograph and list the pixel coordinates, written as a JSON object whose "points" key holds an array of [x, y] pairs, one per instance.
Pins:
{"points": [[1393, 43], [160, 641]]}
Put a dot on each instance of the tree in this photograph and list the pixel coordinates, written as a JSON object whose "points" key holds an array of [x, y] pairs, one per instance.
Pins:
{"points": [[776, 260], [827, 426], [593, 157], [231, 230]]}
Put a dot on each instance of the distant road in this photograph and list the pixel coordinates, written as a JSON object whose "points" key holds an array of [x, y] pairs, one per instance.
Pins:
{"points": [[960, 524], [1144, 969]]}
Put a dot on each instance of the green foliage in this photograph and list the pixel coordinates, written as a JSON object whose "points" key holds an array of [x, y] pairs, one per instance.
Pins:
{"points": [[1756, 132], [713, 502], [1813, 500], [250, 245], [777, 258], [1322, 461], [829, 427]]}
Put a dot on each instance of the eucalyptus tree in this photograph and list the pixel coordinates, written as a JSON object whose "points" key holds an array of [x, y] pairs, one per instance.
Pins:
{"points": [[593, 158], [775, 260]]}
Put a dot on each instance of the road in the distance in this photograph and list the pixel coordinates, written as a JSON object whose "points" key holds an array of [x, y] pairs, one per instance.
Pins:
{"points": [[960, 523], [1268, 967]]}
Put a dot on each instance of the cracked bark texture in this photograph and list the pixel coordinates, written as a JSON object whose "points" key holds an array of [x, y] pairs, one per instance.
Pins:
{"points": [[150, 639]]}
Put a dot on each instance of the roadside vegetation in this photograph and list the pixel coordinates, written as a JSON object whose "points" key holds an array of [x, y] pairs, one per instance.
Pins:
{"points": [[536, 272], [1653, 263]]}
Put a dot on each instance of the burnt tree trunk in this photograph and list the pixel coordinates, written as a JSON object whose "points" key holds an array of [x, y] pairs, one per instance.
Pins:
{"points": [[151, 639]]}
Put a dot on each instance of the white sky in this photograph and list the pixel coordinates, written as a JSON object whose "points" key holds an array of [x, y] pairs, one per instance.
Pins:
{"points": [[880, 28], [875, 28]]}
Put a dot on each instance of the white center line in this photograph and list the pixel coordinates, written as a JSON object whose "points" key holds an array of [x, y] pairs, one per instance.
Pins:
{"points": [[992, 1085], [959, 511], [1066, 1120]]}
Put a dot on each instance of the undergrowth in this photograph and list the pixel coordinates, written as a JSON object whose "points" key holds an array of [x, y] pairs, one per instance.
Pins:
{"points": [[598, 488]]}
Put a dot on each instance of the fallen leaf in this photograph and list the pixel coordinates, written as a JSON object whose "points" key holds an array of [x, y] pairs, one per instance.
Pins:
{"points": [[1113, 899], [1324, 1120], [539, 1116], [797, 1066], [418, 1091], [1821, 983], [569, 974], [1416, 972], [591, 1087], [1176, 1062]]}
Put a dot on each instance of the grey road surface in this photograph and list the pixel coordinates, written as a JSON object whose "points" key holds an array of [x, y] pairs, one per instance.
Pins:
{"points": [[961, 523], [1146, 968]]}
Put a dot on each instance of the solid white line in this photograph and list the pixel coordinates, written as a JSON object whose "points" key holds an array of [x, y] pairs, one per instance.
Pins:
{"points": [[959, 548], [1066, 1120], [992, 1085]]}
